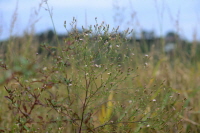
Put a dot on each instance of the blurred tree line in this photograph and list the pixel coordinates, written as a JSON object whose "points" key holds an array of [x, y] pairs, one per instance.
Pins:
{"points": [[145, 39]]}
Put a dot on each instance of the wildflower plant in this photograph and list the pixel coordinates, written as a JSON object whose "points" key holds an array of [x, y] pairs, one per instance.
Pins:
{"points": [[91, 84], [92, 81]]}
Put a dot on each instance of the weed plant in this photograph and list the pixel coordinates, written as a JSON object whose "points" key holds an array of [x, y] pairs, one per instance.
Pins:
{"points": [[96, 81], [92, 85]]}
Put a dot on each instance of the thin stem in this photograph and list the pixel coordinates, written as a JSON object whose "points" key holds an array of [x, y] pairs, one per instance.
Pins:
{"points": [[117, 123], [54, 28], [85, 101]]}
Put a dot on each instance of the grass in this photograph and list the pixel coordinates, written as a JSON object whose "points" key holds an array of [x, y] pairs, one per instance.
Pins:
{"points": [[98, 81]]}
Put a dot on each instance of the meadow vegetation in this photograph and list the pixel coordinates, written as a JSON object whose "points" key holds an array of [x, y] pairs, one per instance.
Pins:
{"points": [[99, 80]]}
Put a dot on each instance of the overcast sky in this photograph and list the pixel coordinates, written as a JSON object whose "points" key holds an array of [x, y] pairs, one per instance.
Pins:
{"points": [[160, 16]]}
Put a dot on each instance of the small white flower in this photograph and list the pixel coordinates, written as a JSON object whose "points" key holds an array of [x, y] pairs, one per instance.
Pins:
{"points": [[45, 68], [117, 46], [70, 85], [146, 55], [97, 65], [34, 79], [148, 125], [154, 100]]}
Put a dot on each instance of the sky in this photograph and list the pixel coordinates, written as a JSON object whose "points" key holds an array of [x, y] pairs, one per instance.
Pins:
{"points": [[160, 16]]}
